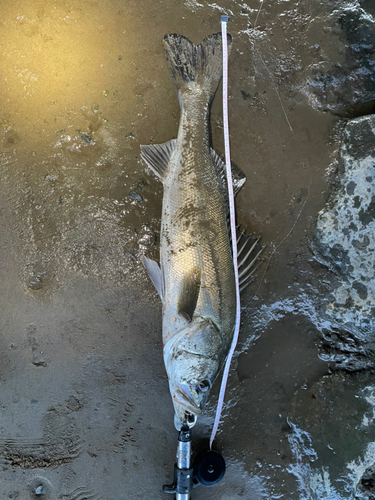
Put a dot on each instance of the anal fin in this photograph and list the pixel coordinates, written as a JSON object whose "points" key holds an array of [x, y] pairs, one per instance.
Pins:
{"points": [[157, 157]]}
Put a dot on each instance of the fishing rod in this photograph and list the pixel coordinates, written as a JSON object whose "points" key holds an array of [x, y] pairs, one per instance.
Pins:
{"points": [[208, 468]]}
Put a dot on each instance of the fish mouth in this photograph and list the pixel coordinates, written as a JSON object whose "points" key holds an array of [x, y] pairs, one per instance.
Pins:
{"points": [[186, 410], [190, 422]]}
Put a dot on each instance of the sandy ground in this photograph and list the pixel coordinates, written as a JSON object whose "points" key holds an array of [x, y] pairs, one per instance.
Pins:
{"points": [[84, 400]]}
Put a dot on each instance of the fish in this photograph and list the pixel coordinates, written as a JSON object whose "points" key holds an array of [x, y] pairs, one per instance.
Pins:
{"points": [[195, 279]]}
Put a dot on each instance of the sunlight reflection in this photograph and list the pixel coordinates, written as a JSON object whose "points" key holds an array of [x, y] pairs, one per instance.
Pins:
{"points": [[57, 57]]}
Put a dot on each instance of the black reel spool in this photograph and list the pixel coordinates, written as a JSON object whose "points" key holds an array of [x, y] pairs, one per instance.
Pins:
{"points": [[209, 468]]}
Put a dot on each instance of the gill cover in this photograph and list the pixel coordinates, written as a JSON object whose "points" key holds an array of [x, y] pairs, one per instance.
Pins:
{"points": [[192, 360]]}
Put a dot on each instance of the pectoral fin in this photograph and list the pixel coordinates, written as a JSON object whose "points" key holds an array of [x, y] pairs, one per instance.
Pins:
{"points": [[157, 157], [155, 273], [189, 293]]}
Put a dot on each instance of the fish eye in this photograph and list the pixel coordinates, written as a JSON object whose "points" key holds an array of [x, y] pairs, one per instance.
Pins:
{"points": [[203, 386]]}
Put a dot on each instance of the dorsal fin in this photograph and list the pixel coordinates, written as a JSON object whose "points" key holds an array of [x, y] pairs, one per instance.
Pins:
{"points": [[238, 177], [157, 157], [248, 248], [187, 300]]}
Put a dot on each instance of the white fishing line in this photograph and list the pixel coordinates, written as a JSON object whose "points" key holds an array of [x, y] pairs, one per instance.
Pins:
{"points": [[224, 21]]}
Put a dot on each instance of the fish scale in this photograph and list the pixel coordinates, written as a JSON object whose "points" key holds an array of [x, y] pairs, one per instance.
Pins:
{"points": [[214, 260]]}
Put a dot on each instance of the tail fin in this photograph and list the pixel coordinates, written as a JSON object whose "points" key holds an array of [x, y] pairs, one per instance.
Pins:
{"points": [[189, 63]]}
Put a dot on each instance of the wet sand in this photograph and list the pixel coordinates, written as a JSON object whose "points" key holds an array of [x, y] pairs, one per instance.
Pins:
{"points": [[85, 405]]}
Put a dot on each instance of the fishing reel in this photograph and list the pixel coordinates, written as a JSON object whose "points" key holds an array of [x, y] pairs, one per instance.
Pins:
{"points": [[208, 468]]}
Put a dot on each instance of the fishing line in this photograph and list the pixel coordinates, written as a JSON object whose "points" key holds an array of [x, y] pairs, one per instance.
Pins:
{"points": [[224, 21], [289, 232], [269, 73], [260, 8]]}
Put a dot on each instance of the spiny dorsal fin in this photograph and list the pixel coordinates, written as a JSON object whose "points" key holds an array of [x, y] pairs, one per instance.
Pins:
{"points": [[157, 157], [248, 257], [238, 177], [155, 273], [189, 293]]}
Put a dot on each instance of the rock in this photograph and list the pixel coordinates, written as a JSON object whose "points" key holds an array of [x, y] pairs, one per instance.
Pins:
{"points": [[344, 239], [348, 89], [366, 485], [332, 437], [86, 138], [135, 196]]}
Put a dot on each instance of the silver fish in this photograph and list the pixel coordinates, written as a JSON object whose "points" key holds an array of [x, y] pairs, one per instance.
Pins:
{"points": [[195, 279]]}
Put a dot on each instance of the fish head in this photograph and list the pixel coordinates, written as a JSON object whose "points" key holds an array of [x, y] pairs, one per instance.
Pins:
{"points": [[193, 360]]}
